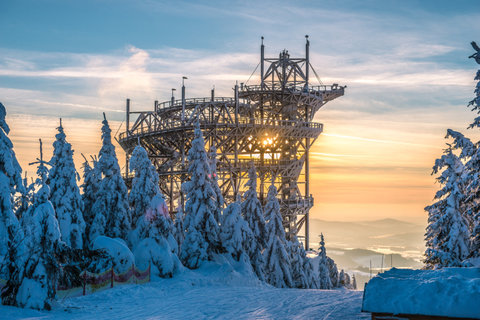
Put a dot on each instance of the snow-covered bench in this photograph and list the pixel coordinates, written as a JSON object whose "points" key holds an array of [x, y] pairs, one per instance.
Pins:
{"points": [[448, 293]]}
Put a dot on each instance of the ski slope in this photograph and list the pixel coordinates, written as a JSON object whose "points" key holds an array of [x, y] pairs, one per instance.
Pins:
{"points": [[215, 291]]}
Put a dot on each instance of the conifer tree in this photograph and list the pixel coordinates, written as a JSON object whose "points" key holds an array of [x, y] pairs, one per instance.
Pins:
{"points": [[212, 161], [324, 281], [342, 278], [64, 192], [235, 233], [308, 269], [149, 209], [37, 289], [354, 282], [202, 232], [253, 215], [112, 216], [299, 268], [447, 235], [179, 230], [12, 246], [277, 260], [24, 200], [333, 272], [473, 168], [92, 177]]}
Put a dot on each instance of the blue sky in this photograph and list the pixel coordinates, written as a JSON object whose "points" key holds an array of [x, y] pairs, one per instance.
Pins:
{"points": [[404, 62]]}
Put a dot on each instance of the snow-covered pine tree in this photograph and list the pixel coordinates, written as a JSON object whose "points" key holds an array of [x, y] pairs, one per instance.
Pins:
{"points": [[235, 233], [64, 192], [324, 281], [473, 170], [333, 272], [341, 278], [277, 260], [297, 263], [12, 246], [202, 231], [92, 177], [253, 215], [178, 229], [24, 199], [447, 235], [354, 282], [112, 217], [37, 289], [347, 281], [308, 268], [149, 209], [212, 161]]}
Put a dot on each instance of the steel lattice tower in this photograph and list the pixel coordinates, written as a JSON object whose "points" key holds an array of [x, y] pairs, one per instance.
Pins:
{"points": [[269, 125]]}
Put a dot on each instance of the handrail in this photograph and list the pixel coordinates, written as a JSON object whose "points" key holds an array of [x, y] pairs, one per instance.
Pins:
{"points": [[292, 87], [168, 124], [178, 102]]}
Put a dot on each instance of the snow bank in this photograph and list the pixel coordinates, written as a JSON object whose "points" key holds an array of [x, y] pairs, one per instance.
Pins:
{"points": [[163, 262], [448, 292], [118, 250]]}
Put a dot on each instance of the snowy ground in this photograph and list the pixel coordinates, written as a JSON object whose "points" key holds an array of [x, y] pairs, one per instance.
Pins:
{"points": [[212, 292]]}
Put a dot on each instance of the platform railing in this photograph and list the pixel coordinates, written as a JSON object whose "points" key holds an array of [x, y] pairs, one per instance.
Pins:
{"points": [[169, 124], [315, 90]]}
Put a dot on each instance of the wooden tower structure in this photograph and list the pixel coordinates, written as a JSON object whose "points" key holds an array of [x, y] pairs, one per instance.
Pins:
{"points": [[268, 125]]}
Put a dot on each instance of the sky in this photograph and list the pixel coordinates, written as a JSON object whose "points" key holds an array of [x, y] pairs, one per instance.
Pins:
{"points": [[405, 65]]}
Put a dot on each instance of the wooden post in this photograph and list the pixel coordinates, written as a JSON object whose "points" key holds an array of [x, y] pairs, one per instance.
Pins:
{"points": [[111, 278], [84, 281], [133, 273], [149, 271]]}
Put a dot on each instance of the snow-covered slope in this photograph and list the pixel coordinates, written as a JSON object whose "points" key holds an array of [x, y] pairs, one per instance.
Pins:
{"points": [[215, 291]]}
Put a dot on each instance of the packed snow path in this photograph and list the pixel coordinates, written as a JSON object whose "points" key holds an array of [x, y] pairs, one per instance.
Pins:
{"points": [[210, 293]]}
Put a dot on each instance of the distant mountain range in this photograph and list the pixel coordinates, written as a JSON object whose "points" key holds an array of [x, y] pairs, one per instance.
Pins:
{"points": [[355, 246], [386, 236]]}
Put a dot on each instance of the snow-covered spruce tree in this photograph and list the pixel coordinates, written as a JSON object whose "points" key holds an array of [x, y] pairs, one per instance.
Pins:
{"points": [[324, 281], [298, 265], [277, 259], [354, 283], [112, 217], [178, 229], [344, 279], [253, 215], [235, 233], [12, 246], [333, 272], [64, 192], [308, 268], [92, 177], [447, 236], [144, 184], [212, 161], [37, 289], [146, 199], [24, 199], [473, 170], [201, 230]]}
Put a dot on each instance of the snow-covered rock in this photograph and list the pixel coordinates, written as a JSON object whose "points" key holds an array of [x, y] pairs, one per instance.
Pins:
{"points": [[447, 292]]}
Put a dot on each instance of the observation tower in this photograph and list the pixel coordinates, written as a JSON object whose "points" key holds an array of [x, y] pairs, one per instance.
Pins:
{"points": [[269, 125]]}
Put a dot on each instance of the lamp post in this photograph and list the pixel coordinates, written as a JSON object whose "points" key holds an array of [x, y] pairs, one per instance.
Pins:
{"points": [[183, 99], [173, 97]]}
